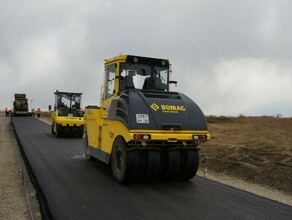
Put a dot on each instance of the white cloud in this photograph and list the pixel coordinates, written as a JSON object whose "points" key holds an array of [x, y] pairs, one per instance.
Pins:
{"points": [[231, 57], [37, 58], [247, 84]]}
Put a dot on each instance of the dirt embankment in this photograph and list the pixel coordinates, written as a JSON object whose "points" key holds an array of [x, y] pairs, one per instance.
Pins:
{"points": [[17, 195], [255, 149]]}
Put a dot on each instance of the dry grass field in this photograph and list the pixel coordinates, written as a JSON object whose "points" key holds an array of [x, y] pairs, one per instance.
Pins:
{"points": [[256, 149]]}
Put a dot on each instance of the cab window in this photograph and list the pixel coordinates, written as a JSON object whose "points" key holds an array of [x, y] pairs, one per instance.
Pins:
{"points": [[110, 80]]}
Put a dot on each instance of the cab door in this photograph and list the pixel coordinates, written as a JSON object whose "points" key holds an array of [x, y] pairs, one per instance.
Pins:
{"points": [[109, 90]]}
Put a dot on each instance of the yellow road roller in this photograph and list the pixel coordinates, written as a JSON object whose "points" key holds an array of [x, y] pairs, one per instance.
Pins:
{"points": [[144, 131], [67, 117]]}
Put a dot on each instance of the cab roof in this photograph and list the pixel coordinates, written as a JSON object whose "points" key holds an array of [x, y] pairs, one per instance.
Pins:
{"points": [[67, 93], [137, 59]]}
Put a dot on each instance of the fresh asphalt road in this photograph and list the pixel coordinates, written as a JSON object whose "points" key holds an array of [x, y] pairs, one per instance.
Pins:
{"points": [[74, 188]]}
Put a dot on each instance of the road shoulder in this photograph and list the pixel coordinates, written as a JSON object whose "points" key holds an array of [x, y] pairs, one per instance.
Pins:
{"points": [[256, 189], [18, 197]]}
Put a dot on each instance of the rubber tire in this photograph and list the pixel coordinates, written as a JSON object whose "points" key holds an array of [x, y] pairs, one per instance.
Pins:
{"points": [[86, 149], [191, 164], [80, 132], [73, 131], [59, 131], [133, 160], [120, 168], [153, 165], [66, 130], [172, 165]]}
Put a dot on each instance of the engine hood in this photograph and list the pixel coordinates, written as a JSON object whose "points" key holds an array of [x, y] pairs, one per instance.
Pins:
{"points": [[157, 110]]}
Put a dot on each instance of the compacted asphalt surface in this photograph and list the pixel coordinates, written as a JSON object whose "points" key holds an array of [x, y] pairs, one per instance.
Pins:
{"points": [[70, 187]]}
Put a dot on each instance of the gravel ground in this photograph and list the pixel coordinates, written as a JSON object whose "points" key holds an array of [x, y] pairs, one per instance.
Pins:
{"points": [[18, 198]]}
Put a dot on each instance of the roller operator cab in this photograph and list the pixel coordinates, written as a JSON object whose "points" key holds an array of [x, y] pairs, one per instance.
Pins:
{"points": [[67, 117], [143, 130]]}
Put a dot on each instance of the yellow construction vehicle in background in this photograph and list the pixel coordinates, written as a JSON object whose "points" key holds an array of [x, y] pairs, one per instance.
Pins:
{"points": [[143, 130], [67, 117]]}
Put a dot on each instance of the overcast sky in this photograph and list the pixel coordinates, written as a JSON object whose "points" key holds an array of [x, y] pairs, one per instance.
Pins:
{"points": [[231, 57]]}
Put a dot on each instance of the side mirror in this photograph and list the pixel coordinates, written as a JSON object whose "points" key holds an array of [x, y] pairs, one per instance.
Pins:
{"points": [[50, 108], [173, 82]]}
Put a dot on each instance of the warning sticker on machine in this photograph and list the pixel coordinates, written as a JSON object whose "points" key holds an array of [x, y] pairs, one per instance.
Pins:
{"points": [[142, 118]]}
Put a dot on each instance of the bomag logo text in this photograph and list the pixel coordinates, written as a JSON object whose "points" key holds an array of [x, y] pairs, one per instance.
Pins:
{"points": [[180, 108]]}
